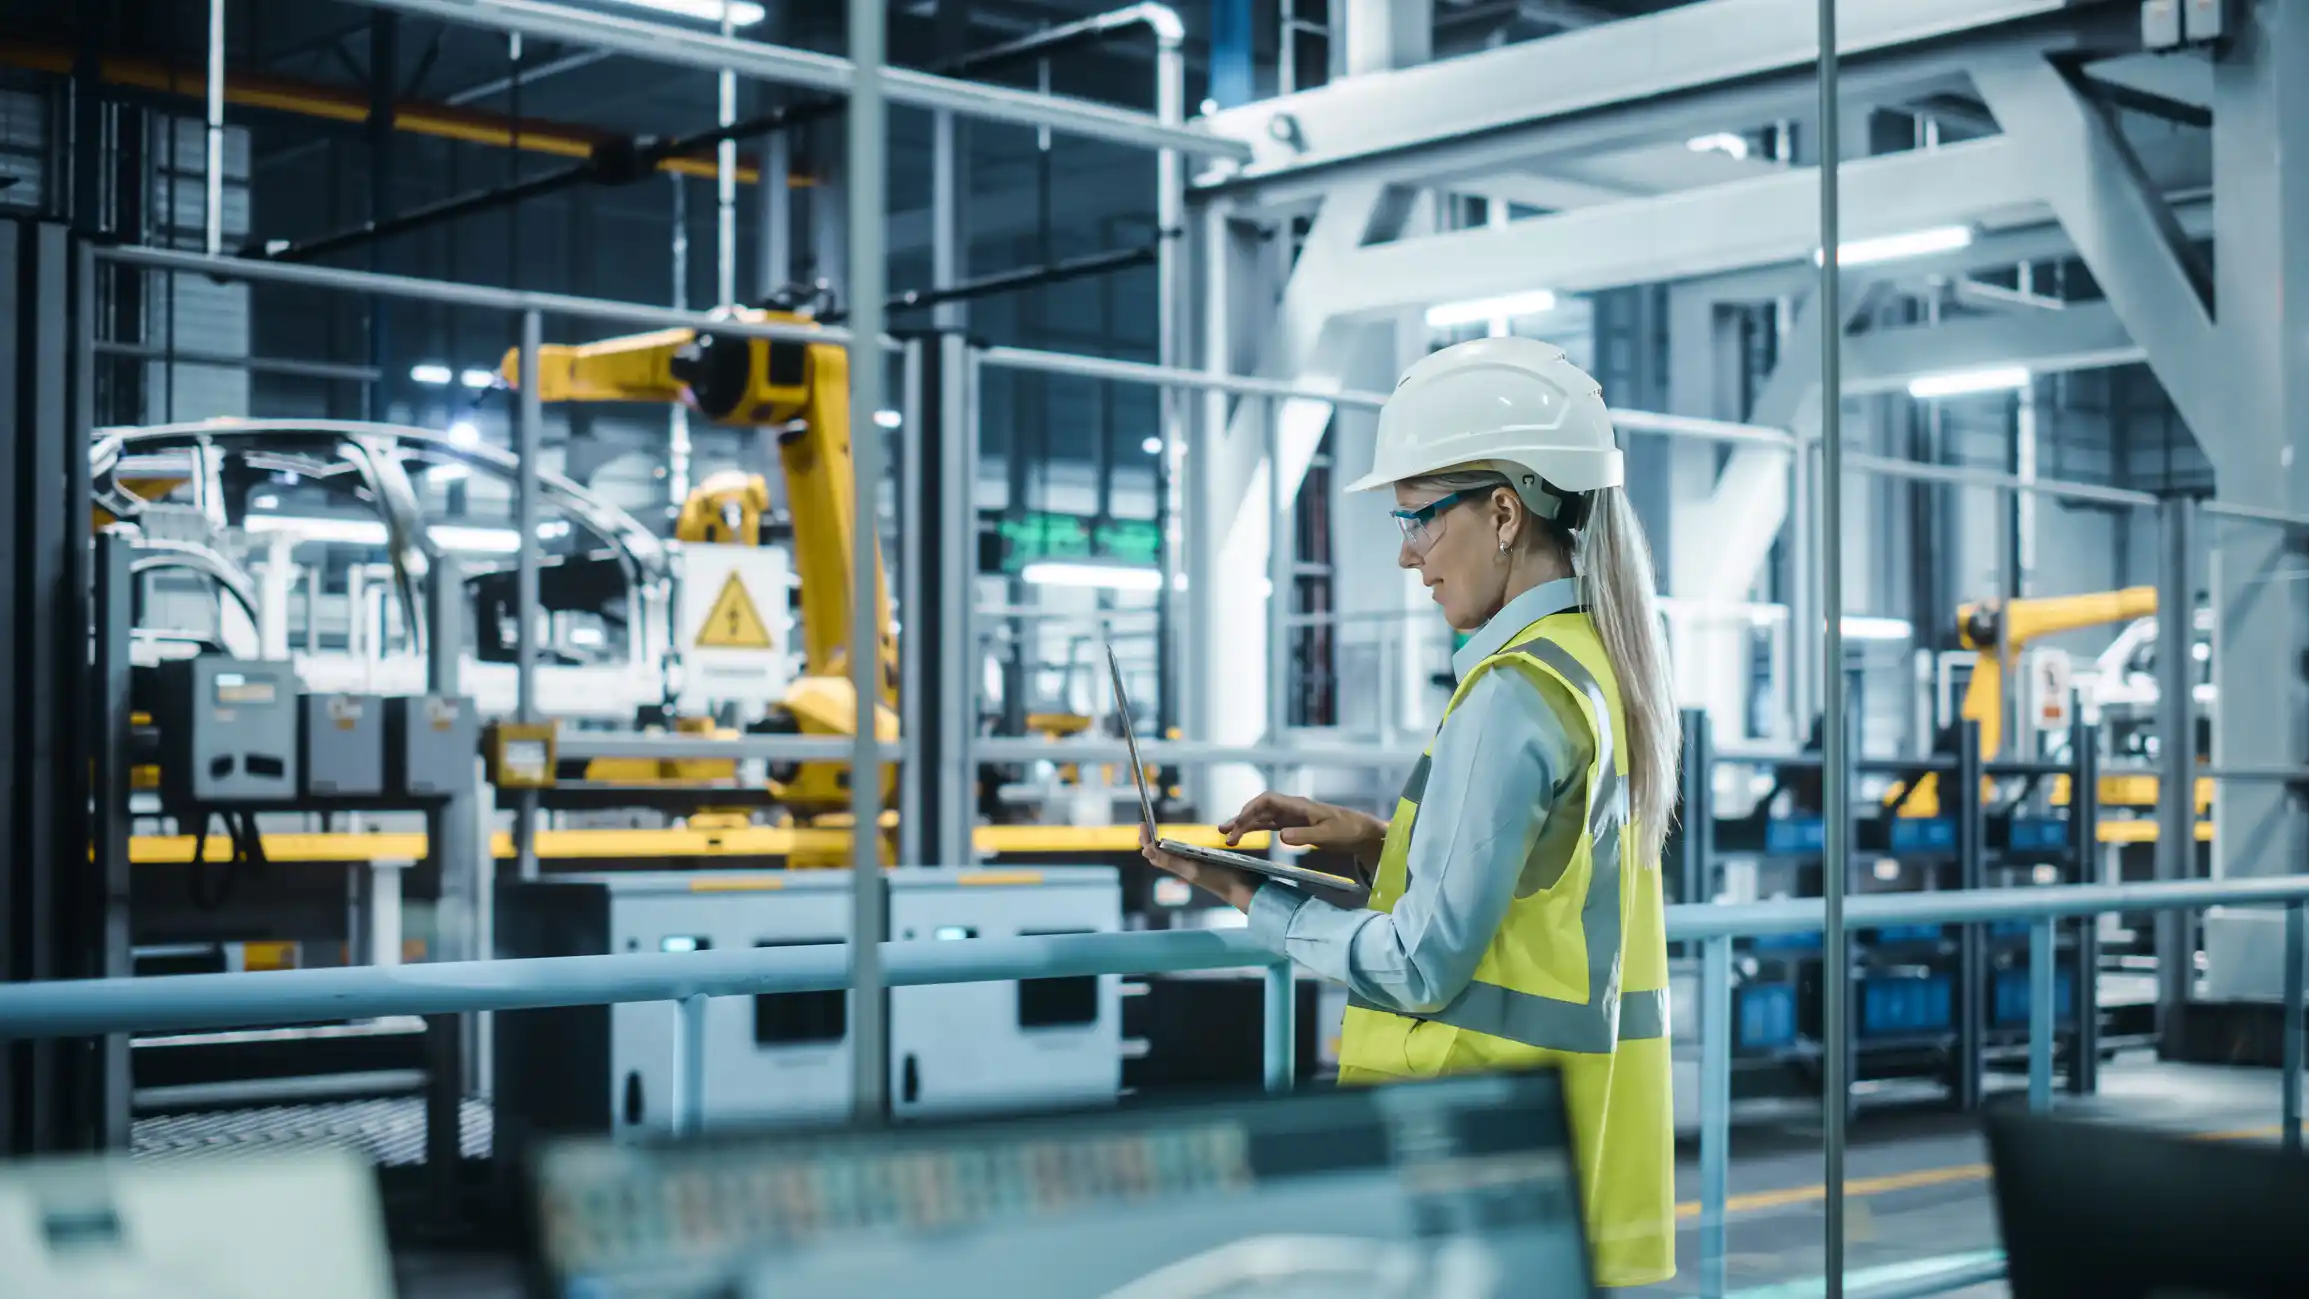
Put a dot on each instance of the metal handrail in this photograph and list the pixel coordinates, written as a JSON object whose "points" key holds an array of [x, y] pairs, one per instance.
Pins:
{"points": [[100, 1006], [88, 1007]]}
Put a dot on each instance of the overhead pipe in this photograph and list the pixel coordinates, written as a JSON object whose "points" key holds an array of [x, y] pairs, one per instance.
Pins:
{"points": [[623, 161], [440, 121], [215, 215]]}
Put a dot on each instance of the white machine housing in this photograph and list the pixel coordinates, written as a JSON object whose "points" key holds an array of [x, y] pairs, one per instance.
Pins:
{"points": [[779, 1058]]}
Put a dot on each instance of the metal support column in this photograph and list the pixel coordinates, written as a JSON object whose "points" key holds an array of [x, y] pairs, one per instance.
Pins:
{"points": [[2176, 760], [689, 1065], [115, 611], [1696, 827], [2043, 1012], [213, 190], [2084, 814], [1282, 1027], [452, 836], [2289, 1134], [868, 154], [1279, 566], [43, 664], [384, 97], [1836, 775], [1170, 352], [1715, 1108], [529, 434], [726, 176], [919, 539], [1972, 943]]}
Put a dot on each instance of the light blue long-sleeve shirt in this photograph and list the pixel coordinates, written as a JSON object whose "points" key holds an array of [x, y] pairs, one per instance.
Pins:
{"points": [[1506, 773]]}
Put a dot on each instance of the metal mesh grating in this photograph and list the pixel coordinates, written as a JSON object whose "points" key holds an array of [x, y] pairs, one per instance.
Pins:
{"points": [[385, 1132]]}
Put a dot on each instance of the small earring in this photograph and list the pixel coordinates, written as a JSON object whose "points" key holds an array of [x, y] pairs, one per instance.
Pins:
{"points": [[1502, 547]]}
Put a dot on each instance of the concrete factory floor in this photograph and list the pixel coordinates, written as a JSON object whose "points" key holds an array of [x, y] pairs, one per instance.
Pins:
{"points": [[1918, 1186], [1917, 1179]]}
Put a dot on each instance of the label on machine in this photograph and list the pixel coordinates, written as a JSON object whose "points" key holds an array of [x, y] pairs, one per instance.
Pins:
{"points": [[734, 625], [2051, 690]]}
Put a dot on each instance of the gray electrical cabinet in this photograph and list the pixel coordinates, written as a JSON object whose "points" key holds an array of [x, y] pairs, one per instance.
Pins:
{"points": [[785, 1057], [228, 731], [431, 743], [341, 745]]}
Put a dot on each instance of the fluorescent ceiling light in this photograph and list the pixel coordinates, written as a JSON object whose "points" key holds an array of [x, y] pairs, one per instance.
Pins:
{"points": [[1450, 314], [743, 13], [1152, 446], [1893, 248], [371, 532], [1958, 383], [431, 375], [888, 418], [1723, 142], [585, 635], [552, 529], [480, 541], [464, 434], [1861, 627], [1105, 577], [268, 501], [449, 473], [478, 378]]}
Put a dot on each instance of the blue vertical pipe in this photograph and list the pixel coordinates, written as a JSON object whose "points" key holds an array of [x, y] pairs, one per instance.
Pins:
{"points": [[2291, 1136], [1231, 46], [2042, 1015], [1282, 1027], [1715, 1108]]}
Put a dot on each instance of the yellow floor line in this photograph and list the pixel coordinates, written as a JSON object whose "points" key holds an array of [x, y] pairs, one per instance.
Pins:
{"points": [[1862, 1187]]}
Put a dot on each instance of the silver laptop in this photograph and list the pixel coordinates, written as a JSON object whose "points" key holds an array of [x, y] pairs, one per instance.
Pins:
{"points": [[1284, 871]]}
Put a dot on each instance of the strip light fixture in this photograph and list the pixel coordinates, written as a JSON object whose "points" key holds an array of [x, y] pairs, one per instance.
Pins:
{"points": [[1960, 383], [743, 13], [1893, 248], [1104, 577], [1450, 315]]}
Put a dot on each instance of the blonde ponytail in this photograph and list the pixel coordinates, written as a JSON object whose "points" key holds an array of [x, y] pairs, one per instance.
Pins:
{"points": [[1614, 564]]}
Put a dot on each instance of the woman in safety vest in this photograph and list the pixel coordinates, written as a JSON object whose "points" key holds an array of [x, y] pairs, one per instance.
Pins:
{"points": [[1514, 915]]}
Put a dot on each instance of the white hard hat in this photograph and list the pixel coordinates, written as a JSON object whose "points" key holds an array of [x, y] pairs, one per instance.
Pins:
{"points": [[1511, 404]]}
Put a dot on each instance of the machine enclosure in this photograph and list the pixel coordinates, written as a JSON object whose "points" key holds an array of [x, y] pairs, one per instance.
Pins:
{"points": [[431, 742], [341, 745], [228, 732], [785, 1057]]}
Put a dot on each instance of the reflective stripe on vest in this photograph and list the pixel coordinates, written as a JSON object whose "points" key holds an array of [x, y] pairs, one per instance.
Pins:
{"points": [[1607, 1016]]}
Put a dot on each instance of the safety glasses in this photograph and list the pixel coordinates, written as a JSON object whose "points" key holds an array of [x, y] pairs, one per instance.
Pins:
{"points": [[1419, 530]]}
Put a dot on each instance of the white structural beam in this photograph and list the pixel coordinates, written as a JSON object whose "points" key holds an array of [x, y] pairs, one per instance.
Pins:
{"points": [[659, 42], [2260, 578], [2085, 337], [2116, 223], [1693, 232], [1400, 121]]}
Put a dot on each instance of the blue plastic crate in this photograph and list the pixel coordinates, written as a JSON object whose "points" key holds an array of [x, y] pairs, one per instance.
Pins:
{"points": [[2011, 997], [2038, 834], [1923, 834], [1766, 1016], [1794, 836], [1904, 1005], [1797, 942], [1907, 934], [2008, 928]]}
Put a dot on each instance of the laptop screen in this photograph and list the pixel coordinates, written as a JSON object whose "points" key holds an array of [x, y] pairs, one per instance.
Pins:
{"points": [[1130, 740], [1462, 1188]]}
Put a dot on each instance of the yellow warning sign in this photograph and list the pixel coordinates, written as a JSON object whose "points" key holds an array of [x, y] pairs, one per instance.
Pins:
{"points": [[734, 623]]}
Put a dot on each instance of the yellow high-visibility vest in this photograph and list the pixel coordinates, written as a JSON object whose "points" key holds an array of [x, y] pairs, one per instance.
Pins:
{"points": [[1576, 978]]}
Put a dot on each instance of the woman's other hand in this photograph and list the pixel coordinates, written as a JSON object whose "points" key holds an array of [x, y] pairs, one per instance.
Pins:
{"points": [[1234, 887], [1305, 823]]}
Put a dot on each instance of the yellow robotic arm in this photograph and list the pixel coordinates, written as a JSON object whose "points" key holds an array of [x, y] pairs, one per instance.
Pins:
{"points": [[1998, 632], [802, 389]]}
